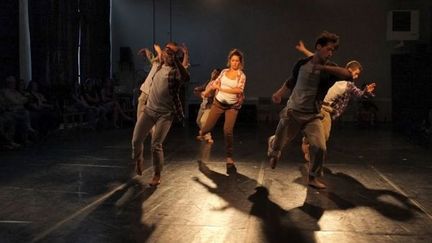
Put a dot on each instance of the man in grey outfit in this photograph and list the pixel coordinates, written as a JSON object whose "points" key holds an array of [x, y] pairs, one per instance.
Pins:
{"points": [[310, 80]]}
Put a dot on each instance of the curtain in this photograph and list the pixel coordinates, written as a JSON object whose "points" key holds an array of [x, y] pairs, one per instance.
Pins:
{"points": [[95, 39], [9, 39], [54, 45]]}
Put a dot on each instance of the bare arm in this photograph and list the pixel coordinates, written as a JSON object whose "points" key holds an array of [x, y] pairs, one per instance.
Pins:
{"points": [[182, 73], [301, 48], [281, 92], [158, 52], [147, 53], [209, 89], [185, 51], [342, 73]]}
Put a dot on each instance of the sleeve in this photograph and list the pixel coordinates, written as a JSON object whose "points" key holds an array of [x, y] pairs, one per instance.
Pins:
{"points": [[182, 74], [242, 81], [356, 91], [292, 80]]}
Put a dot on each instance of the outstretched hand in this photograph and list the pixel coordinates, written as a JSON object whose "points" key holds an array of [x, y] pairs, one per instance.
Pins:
{"points": [[143, 52], [370, 87], [276, 98], [300, 46], [184, 48]]}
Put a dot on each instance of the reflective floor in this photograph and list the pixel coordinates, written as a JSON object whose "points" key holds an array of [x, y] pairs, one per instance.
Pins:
{"points": [[79, 186]]}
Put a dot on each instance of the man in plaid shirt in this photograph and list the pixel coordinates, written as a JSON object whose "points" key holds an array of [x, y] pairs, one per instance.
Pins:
{"points": [[162, 105]]}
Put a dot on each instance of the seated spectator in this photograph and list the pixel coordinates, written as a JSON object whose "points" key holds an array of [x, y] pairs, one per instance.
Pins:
{"points": [[7, 127], [110, 100], [90, 94], [77, 103], [44, 116], [15, 103]]}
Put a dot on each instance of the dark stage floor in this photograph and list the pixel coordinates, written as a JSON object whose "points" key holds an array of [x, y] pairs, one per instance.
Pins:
{"points": [[78, 187]]}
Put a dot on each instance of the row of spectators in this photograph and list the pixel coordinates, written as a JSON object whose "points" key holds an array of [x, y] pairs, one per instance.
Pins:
{"points": [[100, 104], [26, 115]]}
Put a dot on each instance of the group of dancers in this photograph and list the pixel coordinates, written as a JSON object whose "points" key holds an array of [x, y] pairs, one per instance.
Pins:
{"points": [[319, 93]]}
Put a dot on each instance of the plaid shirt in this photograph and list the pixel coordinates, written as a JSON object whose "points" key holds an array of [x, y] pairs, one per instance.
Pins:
{"points": [[339, 96], [176, 78]]}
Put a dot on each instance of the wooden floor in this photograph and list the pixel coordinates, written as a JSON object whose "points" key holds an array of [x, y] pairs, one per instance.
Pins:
{"points": [[79, 187]]}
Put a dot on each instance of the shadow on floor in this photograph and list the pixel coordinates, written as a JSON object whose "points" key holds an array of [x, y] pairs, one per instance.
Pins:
{"points": [[345, 192]]}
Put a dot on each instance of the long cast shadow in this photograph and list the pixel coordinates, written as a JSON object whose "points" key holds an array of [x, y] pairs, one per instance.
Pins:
{"points": [[345, 192], [278, 225], [118, 219]]}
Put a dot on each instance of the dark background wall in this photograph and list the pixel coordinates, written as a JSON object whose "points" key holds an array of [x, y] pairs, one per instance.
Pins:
{"points": [[9, 39], [267, 31]]}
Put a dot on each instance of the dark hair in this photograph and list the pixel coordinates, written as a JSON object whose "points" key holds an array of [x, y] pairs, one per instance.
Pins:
{"points": [[354, 65], [172, 46], [326, 37], [235, 52]]}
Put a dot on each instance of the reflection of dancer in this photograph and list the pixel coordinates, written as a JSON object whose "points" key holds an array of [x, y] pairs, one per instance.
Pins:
{"points": [[206, 103], [163, 103], [311, 78], [229, 88]]}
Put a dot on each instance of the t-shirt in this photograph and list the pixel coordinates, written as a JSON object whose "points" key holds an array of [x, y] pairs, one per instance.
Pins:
{"points": [[145, 87], [303, 96], [159, 99], [228, 83]]}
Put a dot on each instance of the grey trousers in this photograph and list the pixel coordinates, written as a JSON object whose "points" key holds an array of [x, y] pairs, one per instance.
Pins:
{"points": [[290, 124], [145, 122]]}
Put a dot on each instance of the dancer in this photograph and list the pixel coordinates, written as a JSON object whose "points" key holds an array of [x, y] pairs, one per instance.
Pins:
{"points": [[155, 60], [337, 98], [163, 103], [310, 80], [229, 97], [206, 103]]}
